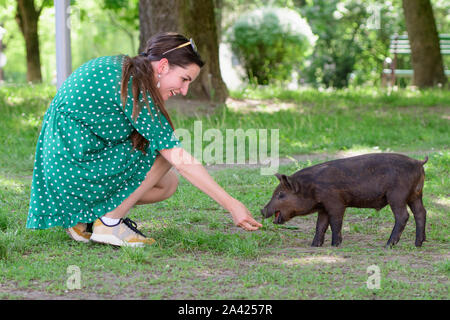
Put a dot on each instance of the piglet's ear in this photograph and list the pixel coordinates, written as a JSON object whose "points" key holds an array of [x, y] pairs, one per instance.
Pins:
{"points": [[288, 182], [285, 181], [291, 184], [295, 185]]}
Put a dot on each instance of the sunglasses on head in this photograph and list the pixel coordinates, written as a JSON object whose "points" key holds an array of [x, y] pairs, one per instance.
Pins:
{"points": [[190, 42]]}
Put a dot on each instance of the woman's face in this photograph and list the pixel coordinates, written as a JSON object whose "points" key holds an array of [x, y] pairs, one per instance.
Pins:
{"points": [[175, 80]]}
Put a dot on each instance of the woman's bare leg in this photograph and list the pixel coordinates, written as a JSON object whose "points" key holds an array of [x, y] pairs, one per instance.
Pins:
{"points": [[144, 193], [164, 189]]}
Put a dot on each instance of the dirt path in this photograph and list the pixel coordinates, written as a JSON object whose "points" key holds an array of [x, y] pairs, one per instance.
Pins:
{"points": [[310, 157]]}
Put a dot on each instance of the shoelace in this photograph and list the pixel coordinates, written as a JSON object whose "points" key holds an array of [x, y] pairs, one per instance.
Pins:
{"points": [[132, 225]]}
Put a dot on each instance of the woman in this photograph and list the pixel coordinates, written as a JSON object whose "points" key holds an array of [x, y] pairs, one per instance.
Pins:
{"points": [[107, 144]]}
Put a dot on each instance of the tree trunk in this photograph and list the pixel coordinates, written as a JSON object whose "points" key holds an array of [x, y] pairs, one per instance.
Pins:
{"points": [[423, 37], [194, 19], [2, 74], [27, 17]]}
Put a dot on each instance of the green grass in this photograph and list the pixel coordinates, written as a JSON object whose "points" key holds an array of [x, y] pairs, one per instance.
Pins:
{"points": [[200, 254], [349, 97], [22, 109], [332, 121]]}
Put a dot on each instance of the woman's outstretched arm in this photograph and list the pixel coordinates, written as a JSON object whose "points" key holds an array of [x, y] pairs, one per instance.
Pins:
{"points": [[195, 173]]}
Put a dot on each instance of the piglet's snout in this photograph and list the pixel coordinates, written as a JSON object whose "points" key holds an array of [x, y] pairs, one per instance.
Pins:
{"points": [[265, 212]]}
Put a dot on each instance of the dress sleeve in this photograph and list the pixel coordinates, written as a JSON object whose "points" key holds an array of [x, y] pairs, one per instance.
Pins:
{"points": [[153, 125]]}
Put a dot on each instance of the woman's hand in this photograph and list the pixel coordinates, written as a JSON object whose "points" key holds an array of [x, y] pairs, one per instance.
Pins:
{"points": [[243, 218]]}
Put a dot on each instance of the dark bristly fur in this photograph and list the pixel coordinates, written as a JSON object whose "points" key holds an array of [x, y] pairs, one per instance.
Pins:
{"points": [[366, 181]]}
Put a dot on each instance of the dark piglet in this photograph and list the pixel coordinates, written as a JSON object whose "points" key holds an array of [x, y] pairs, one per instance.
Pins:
{"points": [[366, 181]]}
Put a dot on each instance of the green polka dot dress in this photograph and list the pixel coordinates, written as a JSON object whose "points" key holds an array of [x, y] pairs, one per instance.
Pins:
{"points": [[85, 165]]}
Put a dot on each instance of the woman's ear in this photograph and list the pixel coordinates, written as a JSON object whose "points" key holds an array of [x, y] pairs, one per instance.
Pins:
{"points": [[163, 66]]}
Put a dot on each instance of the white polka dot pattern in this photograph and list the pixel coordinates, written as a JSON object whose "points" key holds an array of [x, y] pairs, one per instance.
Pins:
{"points": [[84, 164]]}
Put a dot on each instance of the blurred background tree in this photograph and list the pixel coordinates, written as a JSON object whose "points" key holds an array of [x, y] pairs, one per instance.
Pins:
{"points": [[424, 41], [124, 15], [351, 46], [271, 43], [353, 40], [27, 17], [195, 19]]}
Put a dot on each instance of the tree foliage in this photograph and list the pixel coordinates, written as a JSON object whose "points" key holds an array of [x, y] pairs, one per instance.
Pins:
{"points": [[350, 48], [124, 14], [353, 36], [353, 39], [271, 43]]}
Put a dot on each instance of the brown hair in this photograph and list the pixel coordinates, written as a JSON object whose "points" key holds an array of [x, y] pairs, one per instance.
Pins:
{"points": [[141, 71]]}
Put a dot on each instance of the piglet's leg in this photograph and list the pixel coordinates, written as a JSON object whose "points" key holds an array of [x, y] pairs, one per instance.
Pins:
{"points": [[420, 216], [336, 217], [321, 228], [401, 217]]}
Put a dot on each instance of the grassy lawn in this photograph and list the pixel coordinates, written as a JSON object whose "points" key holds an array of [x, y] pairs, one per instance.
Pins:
{"points": [[199, 253]]}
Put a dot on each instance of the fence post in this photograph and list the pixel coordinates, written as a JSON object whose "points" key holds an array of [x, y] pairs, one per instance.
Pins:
{"points": [[394, 63], [63, 49]]}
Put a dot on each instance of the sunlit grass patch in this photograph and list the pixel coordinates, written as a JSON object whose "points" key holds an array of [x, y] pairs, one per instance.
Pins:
{"points": [[199, 253]]}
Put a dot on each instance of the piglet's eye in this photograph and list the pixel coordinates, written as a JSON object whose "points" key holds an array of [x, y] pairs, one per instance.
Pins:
{"points": [[281, 195]]}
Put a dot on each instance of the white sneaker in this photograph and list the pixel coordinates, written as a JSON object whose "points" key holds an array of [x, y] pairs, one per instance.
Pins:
{"points": [[124, 233]]}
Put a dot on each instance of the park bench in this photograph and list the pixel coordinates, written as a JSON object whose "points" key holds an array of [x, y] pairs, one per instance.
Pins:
{"points": [[400, 46]]}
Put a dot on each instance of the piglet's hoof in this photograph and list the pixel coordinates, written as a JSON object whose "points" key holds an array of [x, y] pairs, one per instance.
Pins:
{"points": [[316, 244]]}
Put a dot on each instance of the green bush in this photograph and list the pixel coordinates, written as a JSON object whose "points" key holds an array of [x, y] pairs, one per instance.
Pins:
{"points": [[271, 43]]}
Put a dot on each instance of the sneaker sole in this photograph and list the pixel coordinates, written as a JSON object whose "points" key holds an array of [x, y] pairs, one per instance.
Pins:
{"points": [[75, 236], [112, 240]]}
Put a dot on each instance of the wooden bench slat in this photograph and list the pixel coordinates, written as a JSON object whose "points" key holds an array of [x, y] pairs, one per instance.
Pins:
{"points": [[408, 51], [399, 45], [405, 36], [404, 73], [407, 40]]}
